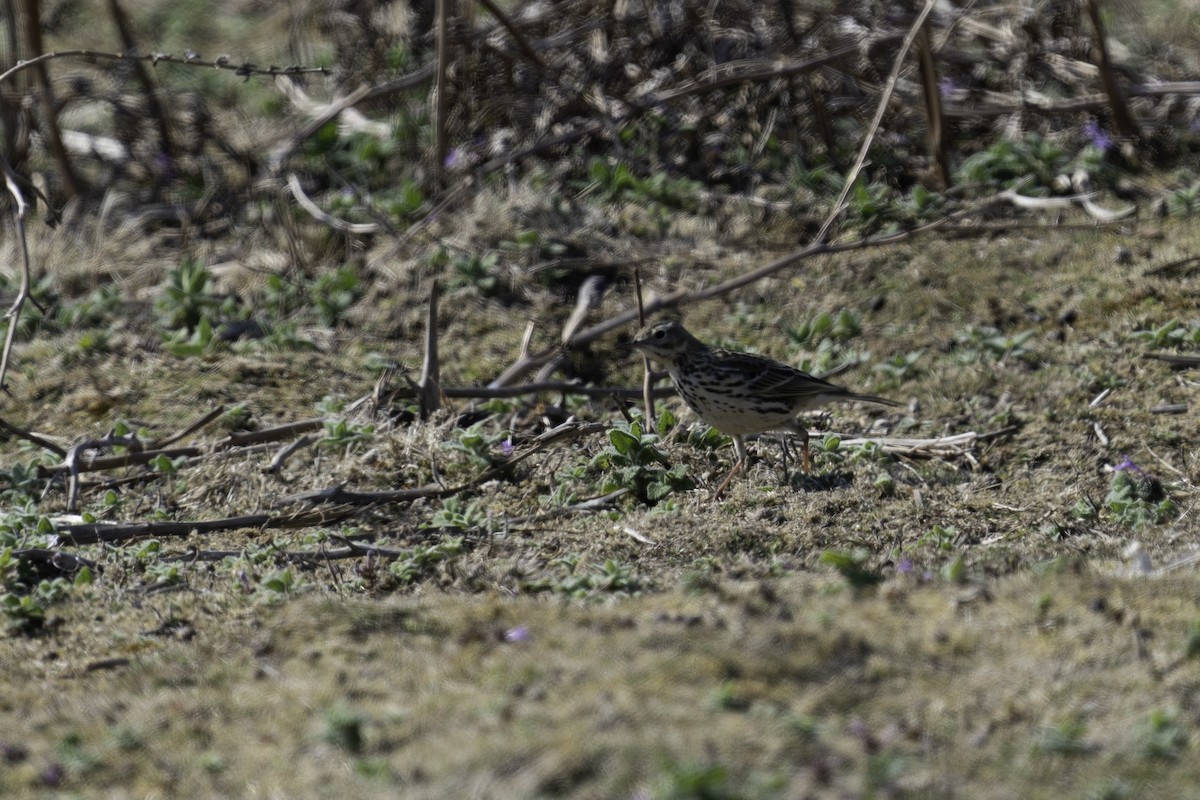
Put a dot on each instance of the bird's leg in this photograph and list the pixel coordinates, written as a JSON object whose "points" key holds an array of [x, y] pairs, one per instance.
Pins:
{"points": [[804, 446], [740, 447], [802, 432], [784, 449]]}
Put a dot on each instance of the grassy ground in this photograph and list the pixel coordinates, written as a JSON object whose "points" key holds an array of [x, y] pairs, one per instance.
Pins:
{"points": [[1017, 621], [988, 633]]}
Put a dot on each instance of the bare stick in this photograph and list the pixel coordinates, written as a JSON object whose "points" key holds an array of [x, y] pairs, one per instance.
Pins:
{"points": [[647, 383], [513, 31], [889, 88], [322, 216], [278, 433], [936, 123], [441, 86], [190, 59], [281, 153], [430, 397], [29, 436], [190, 429], [90, 533], [591, 292], [286, 452], [1122, 119], [14, 311]]}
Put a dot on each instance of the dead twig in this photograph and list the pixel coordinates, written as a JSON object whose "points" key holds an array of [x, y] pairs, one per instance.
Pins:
{"points": [[189, 59], [94, 532], [23, 293], [1122, 118], [515, 32], [838, 207], [286, 452], [189, 430], [429, 395], [275, 434], [1175, 359], [322, 216], [29, 436]]}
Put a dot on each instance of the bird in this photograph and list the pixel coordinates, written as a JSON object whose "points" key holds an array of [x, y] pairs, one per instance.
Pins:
{"points": [[739, 393]]}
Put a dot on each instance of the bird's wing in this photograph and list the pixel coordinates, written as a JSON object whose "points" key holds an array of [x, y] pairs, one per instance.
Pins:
{"points": [[774, 379], [780, 380]]}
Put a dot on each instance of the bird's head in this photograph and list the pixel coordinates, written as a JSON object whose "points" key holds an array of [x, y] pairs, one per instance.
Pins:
{"points": [[666, 341]]}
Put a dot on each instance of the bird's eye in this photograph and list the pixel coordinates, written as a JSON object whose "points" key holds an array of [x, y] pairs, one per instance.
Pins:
{"points": [[659, 334]]}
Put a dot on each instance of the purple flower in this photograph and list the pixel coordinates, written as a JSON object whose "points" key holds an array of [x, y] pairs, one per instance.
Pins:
{"points": [[1099, 137], [517, 634], [454, 158], [53, 775], [506, 447], [947, 87], [1128, 466], [905, 566]]}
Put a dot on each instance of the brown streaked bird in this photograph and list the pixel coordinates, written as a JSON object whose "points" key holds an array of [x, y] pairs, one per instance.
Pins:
{"points": [[739, 393]]}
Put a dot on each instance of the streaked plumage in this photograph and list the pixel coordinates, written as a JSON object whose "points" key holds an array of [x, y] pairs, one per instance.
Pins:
{"points": [[739, 393]]}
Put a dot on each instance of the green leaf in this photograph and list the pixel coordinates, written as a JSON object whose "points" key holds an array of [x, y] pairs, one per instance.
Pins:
{"points": [[624, 442]]}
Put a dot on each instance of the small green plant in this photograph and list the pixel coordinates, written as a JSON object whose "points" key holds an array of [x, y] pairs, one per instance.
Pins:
{"points": [[403, 201], [341, 433], [633, 461], [187, 299], [901, 367], [472, 270], [277, 586], [344, 729], [191, 342], [854, 567], [939, 538], [22, 482], [841, 327], [24, 599], [871, 204], [1007, 163], [1185, 201], [695, 783], [576, 580], [1164, 736], [1172, 333], [1136, 499], [982, 342], [333, 293], [482, 449], [98, 308], [458, 515], [1192, 647], [615, 181], [419, 562], [1065, 739], [164, 574]]}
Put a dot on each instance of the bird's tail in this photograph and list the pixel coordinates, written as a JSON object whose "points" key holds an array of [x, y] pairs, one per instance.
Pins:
{"points": [[870, 398]]}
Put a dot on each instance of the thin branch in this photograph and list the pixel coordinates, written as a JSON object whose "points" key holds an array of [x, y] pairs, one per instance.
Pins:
{"points": [[515, 32], [190, 429], [190, 59], [325, 217], [1122, 118], [23, 294], [91, 533], [430, 393], [29, 436], [889, 88]]}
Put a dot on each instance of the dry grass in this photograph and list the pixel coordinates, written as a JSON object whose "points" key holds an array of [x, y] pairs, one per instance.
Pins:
{"points": [[1009, 652], [999, 627]]}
